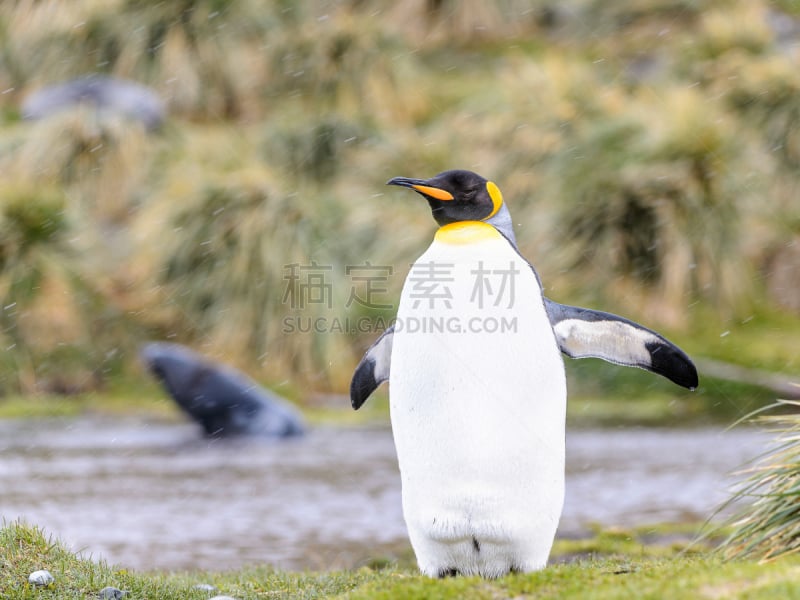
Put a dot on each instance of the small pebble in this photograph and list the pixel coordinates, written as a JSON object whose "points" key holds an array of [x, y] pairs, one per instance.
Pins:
{"points": [[206, 587], [111, 593], [42, 578]]}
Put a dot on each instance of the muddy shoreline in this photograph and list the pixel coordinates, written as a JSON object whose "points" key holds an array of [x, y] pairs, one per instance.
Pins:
{"points": [[156, 496]]}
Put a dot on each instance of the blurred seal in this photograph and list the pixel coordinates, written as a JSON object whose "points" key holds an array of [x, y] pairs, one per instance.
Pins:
{"points": [[105, 94], [224, 401]]}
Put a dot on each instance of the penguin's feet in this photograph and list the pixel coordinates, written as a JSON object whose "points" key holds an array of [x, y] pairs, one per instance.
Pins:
{"points": [[448, 573]]}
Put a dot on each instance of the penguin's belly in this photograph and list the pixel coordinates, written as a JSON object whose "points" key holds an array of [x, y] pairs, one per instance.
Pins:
{"points": [[478, 398]]}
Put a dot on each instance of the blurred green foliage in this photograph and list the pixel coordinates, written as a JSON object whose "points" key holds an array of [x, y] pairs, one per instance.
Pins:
{"points": [[648, 152]]}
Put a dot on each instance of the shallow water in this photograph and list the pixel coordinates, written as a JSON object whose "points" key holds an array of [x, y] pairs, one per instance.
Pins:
{"points": [[156, 496]]}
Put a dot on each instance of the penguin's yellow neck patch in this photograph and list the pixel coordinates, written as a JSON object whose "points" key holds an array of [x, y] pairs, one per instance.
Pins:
{"points": [[466, 232], [496, 196]]}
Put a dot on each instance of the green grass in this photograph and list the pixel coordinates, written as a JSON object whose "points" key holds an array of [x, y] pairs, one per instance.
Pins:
{"points": [[123, 397], [651, 409], [603, 394], [613, 564], [600, 393]]}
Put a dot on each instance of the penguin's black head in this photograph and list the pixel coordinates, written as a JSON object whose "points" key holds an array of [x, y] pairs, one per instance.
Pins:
{"points": [[456, 195]]}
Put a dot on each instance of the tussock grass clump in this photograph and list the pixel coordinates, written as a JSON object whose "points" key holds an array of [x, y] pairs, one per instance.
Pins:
{"points": [[33, 256], [100, 159], [55, 326], [341, 62], [655, 193], [625, 14], [461, 22], [233, 255], [767, 527], [737, 26], [767, 92], [201, 55], [210, 59], [310, 150]]}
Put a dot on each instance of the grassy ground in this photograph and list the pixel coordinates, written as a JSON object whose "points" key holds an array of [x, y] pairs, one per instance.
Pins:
{"points": [[636, 403], [613, 564], [584, 410]]}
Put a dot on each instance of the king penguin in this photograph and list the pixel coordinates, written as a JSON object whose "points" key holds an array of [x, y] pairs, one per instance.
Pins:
{"points": [[477, 386]]}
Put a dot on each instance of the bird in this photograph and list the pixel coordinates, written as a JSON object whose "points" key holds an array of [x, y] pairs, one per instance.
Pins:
{"points": [[477, 386]]}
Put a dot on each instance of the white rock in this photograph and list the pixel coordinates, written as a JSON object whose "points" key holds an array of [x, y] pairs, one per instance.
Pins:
{"points": [[43, 578]]}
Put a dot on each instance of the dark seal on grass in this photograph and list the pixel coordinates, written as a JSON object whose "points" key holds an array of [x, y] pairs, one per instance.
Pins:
{"points": [[223, 400]]}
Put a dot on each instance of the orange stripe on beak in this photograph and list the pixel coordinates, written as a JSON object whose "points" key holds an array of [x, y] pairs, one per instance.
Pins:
{"points": [[433, 192]]}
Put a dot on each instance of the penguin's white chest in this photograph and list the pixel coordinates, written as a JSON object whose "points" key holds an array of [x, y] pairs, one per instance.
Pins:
{"points": [[478, 398]]}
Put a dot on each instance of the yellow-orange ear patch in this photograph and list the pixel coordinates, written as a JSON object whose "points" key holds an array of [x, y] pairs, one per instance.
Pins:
{"points": [[433, 192], [496, 196]]}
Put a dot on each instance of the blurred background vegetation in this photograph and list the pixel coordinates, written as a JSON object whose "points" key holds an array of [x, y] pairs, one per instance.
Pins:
{"points": [[648, 150]]}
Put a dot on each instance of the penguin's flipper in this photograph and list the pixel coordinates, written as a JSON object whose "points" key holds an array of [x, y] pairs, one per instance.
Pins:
{"points": [[373, 369], [582, 333]]}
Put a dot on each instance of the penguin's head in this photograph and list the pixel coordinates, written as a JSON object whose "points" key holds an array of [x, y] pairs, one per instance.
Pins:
{"points": [[456, 195], [461, 195]]}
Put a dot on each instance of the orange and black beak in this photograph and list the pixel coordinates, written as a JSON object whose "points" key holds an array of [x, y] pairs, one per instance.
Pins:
{"points": [[423, 187]]}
